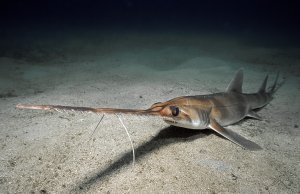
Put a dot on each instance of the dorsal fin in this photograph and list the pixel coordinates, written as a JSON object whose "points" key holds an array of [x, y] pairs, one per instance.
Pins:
{"points": [[274, 89], [236, 83], [262, 88]]}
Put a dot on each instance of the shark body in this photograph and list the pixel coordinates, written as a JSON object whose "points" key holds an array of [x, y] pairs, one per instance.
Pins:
{"points": [[214, 111]]}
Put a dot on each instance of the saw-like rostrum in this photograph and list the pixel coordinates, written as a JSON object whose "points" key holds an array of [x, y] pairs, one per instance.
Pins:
{"points": [[214, 111]]}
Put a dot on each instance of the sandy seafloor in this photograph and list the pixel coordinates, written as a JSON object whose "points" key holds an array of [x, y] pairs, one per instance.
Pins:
{"points": [[51, 152]]}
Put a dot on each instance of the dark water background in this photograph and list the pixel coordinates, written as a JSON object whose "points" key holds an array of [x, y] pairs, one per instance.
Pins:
{"points": [[224, 16], [41, 31]]}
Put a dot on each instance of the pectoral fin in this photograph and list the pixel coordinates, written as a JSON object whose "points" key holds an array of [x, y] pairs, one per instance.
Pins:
{"points": [[253, 114], [232, 136]]}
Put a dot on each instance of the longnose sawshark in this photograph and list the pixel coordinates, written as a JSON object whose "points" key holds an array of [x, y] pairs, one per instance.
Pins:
{"points": [[214, 111]]}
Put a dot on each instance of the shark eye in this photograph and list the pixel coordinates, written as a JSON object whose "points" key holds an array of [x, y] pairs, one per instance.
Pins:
{"points": [[174, 110]]}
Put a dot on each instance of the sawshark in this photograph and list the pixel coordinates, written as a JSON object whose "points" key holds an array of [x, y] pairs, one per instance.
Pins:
{"points": [[214, 111]]}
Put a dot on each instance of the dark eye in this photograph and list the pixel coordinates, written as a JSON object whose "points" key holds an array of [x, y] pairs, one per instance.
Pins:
{"points": [[174, 110]]}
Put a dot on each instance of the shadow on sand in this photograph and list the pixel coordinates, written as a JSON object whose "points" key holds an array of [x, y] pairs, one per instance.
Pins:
{"points": [[165, 137]]}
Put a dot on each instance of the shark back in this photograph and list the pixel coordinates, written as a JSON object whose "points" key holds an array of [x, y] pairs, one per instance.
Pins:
{"points": [[233, 105]]}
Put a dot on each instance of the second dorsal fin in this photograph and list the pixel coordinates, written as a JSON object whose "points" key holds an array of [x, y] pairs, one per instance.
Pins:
{"points": [[236, 83], [262, 88]]}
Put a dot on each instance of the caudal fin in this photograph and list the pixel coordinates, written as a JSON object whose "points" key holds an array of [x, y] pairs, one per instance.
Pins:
{"points": [[272, 89]]}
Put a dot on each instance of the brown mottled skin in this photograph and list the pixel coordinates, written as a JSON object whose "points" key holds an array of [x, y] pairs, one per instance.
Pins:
{"points": [[197, 112]]}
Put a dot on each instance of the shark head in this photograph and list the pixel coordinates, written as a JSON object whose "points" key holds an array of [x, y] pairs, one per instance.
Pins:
{"points": [[185, 116]]}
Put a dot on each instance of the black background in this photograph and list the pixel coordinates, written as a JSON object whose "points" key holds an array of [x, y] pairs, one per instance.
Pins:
{"points": [[280, 16]]}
